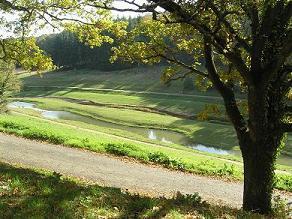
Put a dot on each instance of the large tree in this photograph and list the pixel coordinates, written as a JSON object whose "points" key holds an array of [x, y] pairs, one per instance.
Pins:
{"points": [[243, 43]]}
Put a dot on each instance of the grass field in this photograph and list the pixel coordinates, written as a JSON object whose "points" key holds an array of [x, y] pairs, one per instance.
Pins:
{"points": [[123, 142], [138, 79], [199, 131], [26, 193], [184, 104]]}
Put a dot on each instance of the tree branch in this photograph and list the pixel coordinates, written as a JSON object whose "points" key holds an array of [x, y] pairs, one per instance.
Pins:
{"points": [[218, 42], [140, 8], [179, 77], [177, 62], [8, 5], [273, 43], [227, 93], [222, 17], [191, 68]]}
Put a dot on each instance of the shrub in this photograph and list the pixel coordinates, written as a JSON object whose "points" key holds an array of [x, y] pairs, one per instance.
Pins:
{"points": [[9, 83], [12, 125], [161, 158], [119, 149], [227, 170], [44, 136], [283, 182], [280, 208]]}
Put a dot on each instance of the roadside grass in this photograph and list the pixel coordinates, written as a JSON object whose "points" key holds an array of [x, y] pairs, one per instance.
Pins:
{"points": [[58, 133], [27, 193], [53, 132]]}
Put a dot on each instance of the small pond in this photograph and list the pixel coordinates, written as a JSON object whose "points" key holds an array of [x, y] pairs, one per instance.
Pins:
{"points": [[153, 134]]}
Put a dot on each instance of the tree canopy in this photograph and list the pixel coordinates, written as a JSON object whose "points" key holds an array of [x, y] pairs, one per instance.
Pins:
{"points": [[229, 44], [67, 51]]}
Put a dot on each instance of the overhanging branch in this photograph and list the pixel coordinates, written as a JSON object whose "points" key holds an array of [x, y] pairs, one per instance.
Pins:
{"points": [[222, 18], [217, 41], [226, 92], [189, 67], [186, 74], [8, 5]]}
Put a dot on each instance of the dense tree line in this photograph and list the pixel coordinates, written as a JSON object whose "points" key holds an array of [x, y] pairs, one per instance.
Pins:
{"points": [[67, 51]]}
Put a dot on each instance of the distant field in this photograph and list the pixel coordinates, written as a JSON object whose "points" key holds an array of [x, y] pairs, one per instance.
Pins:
{"points": [[138, 79], [182, 105], [144, 79]]}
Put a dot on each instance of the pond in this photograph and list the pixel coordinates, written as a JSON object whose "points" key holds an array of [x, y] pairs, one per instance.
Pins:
{"points": [[152, 134]]}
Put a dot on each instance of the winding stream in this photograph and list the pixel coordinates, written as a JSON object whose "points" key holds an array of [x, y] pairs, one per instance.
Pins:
{"points": [[153, 134]]}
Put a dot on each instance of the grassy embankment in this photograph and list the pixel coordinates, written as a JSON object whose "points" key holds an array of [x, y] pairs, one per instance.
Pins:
{"points": [[179, 104], [27, 193], [138, 80], [85, 136], [200, 131]]}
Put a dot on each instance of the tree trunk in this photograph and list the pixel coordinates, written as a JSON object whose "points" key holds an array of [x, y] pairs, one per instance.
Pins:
{"points": [[258, 180], [259, 148]]}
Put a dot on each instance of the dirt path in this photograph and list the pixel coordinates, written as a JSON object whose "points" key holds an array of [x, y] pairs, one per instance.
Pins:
{"points": [[109, 171]]}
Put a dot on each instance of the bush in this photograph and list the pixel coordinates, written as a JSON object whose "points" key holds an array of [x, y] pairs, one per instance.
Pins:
{"points": [[9, 84], [119, 149], [283, 182], [163, 159], [43, 136], [226, 170], [280, 208], [12, 126]]}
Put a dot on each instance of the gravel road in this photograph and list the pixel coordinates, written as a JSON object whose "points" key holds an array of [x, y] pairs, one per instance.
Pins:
{"points": [[115, 172]]}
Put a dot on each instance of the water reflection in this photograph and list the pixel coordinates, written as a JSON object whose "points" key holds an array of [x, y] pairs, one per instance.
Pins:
{"points": [[212, 150], [151, 135]]}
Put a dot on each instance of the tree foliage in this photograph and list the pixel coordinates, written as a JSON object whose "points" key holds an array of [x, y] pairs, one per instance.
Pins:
{"points": [[9, 84], [230, 44], [67, 50]]}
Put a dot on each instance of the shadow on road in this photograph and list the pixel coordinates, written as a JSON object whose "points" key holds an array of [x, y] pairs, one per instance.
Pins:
{"points": [[25, 193]]}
